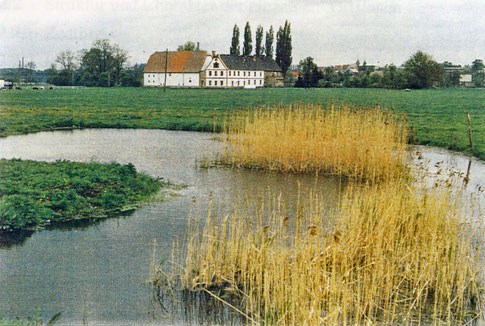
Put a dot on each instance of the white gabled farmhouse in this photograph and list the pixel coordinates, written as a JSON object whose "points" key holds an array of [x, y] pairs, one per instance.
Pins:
{"points": [[180, 68], [200, 69]]}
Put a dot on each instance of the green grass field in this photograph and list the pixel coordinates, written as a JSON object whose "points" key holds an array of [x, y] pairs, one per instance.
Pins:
{"points": [[437, 116]]}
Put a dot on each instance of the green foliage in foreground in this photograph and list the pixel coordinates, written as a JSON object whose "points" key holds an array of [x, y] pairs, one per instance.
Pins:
{"points": [[35, 320], [35, 193], [438, 116]]}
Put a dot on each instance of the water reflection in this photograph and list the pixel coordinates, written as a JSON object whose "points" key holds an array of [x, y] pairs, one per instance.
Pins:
{"points": [[18, 238]]}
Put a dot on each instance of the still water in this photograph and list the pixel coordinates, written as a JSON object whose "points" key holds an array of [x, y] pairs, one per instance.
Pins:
{"points": [[97, 273]]}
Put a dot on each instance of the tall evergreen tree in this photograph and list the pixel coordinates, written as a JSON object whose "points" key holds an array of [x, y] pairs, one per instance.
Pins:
{"points": [[235, 41], [259, 41], [248, 41], [269, 43], [283, 47]]}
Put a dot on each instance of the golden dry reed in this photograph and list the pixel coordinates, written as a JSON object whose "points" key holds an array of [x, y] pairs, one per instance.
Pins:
{"points": [[308, 138], [397, 255]]}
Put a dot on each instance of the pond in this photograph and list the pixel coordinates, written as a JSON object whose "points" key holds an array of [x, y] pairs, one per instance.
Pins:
{"points": [[97, 273]]}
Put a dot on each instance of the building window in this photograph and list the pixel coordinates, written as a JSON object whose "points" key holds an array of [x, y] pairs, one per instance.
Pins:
{"points": [[255, 74], [232, 83], [170, 74], [210, 82], [229, 73], [238, 73], [249, 82], [261, 73], [244, 83], [260, 82], [222, 73], [222, 83], [238, 83], [215, 83], [216, 64], [244, 74]]}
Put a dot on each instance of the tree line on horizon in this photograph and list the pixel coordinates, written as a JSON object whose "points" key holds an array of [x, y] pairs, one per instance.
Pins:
{"points": [[418, 72], [103, 64]]}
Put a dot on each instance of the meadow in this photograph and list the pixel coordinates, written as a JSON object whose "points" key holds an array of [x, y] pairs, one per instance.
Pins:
{"points": [[436, 117]]}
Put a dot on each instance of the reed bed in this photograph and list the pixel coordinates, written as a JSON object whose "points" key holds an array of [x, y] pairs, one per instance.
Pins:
{"points": [[396, 255], [391, 252], [308, 138]]}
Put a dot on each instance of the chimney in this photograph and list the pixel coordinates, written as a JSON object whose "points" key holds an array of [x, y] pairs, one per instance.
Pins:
{"points": [[213, 54], [244, 59], [254, 58]]}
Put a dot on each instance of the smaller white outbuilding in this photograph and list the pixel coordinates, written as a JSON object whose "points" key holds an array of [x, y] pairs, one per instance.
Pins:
{"points": [[178, 68]]}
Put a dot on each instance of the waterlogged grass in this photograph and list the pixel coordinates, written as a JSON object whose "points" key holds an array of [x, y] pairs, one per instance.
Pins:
{"points": [[438, 117], [363, 144], [37, 193]]}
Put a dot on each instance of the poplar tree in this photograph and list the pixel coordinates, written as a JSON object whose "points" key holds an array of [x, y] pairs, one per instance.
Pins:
{"points": [[269, 43], [235, 41], [283, 47], [247, 45], [259, 41]]}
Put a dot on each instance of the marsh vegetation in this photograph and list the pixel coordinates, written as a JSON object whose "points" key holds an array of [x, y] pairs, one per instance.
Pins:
{"points": [[392, 251], [39, 193]]}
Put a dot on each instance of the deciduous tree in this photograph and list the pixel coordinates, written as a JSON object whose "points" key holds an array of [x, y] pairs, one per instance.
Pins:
{"points": [[478, 74], [188, 46], [422, 71], [310, 76]]}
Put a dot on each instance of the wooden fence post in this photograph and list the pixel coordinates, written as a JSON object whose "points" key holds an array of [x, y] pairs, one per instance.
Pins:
{"points": [[470, 130]]}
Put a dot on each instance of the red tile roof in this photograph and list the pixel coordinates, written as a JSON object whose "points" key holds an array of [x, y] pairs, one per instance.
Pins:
{"points": [[177, 61]]}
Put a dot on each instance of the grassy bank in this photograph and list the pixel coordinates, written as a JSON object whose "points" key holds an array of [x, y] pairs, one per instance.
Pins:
{"points": [[37, 193], [437, 116]]}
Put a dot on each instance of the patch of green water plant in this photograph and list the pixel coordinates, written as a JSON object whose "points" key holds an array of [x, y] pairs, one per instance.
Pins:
{"points": [[35, 320], [38, 193]]}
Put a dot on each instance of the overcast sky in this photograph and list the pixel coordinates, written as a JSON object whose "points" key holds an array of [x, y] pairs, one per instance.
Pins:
{"points": [[331, 31]]}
